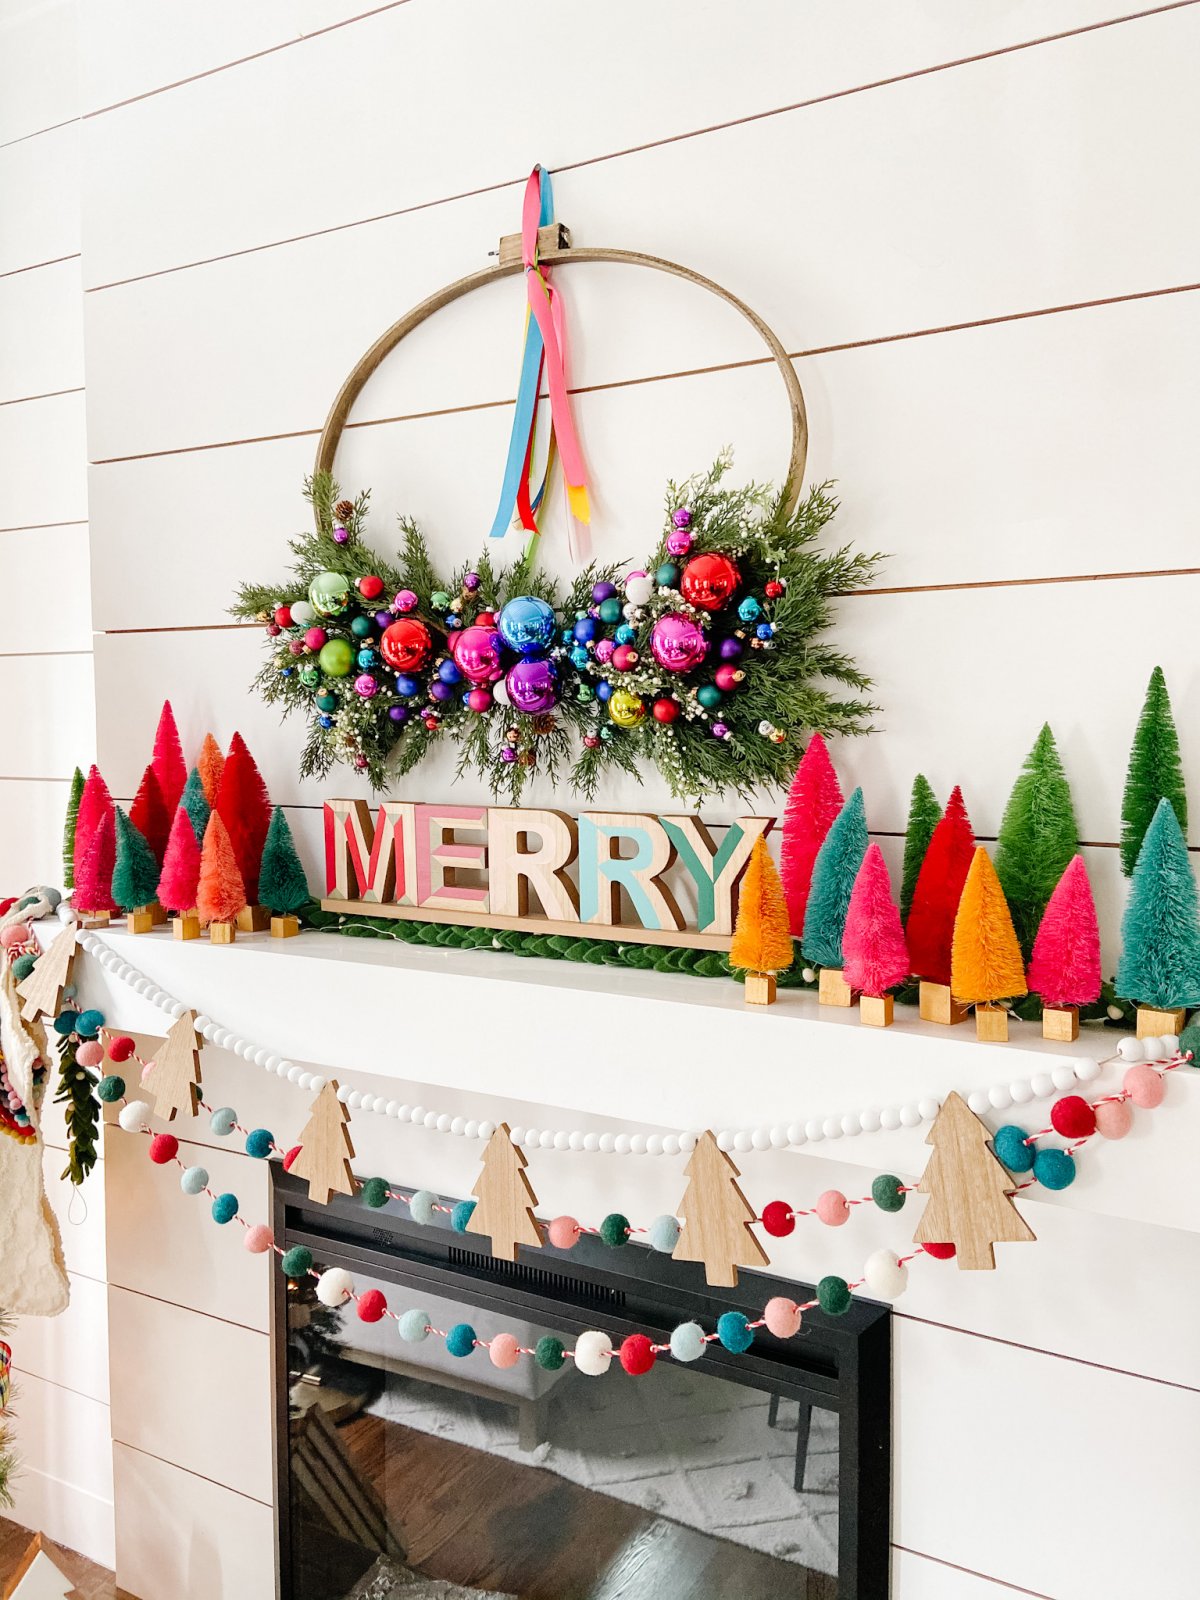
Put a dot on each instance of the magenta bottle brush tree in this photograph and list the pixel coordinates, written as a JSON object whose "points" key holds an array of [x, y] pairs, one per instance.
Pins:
{"points": [[1160, 932], [1065, 967], [873, 947]]}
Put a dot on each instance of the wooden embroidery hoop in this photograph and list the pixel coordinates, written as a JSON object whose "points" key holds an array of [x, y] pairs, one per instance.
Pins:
{"points": [[561, 253]]}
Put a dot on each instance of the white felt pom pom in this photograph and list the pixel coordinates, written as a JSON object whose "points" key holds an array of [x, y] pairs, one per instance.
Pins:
{"points": [[1087, 1069], [334, 1285], [1043, 1085], [1021, 1091], [978, 1101], [1130, 1049], [135, 1116], [592, 1353], [885, 1276], [889, 1118], [1064, 1076], [1170, 1044]]}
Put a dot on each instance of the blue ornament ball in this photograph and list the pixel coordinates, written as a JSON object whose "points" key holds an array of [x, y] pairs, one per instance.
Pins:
{"points": [[223, 1121], [460, 1341], [1054, 1169], [259, 1143], [421, 1206], [448, 672], [687, 1341], [326, 722], [526, 624], [765, 630], [194, 1180], [413, 1326], [225, 1208], [406, 685], [584, 630], [664, 1234], [1011, 1150], [603, 689], [461, 1215], [734, 1331], [440, 691]]}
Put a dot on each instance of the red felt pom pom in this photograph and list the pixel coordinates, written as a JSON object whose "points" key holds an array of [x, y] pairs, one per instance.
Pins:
{"points": [[370, 587], [939, 1252], [120, 1048], [371, 1305], [164, 1147], [637, 1354], [777, 1219], [1073, 1117], [291, 1156]]}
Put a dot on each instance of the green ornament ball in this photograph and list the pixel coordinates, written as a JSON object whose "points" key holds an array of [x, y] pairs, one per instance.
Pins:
{"points": [[326, 702], [549, 1353], [310, 676], [336, 658], [708, 694], [439, 600], [610, 610], [585, 693], [888, 1192], [667, 575], [833, 1294], [329, 594], [110, 1088], [614, 1230], [23, 966], [375, 1193], [296, 1261]]}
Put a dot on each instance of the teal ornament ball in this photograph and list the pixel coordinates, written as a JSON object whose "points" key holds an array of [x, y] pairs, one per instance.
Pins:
{"points": [[549, 1353], [709, 696], [375, 1193], [687, 1341], [888, 1192], [460, 1341], [614, 1230], [194, 1180], [413, 1326], [223, 1121], [735, 1332], [1054, 1169], [326, 702], [421, 1206], [1189, 1039], [111, 1088], [833, 1295], [610, 610], [296, 1261], [461, 1215], [329, 594], [1011, 1150], [667, 575], [664, 1234], [225, 1208], [360, 627], [749, 610], [336, 658]]}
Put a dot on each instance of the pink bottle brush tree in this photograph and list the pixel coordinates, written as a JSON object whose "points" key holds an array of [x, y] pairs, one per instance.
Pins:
{"points": [[1065, 966], [873, 946], [813, 801]]}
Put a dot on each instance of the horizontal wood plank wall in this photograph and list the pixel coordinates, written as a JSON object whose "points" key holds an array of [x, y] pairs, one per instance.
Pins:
{"points": [[989, 285]]}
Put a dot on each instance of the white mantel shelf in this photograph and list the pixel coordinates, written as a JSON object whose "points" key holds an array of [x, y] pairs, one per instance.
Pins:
{"points": [[659, 1050]]}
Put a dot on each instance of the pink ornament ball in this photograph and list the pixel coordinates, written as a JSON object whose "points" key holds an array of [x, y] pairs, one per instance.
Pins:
{"points": [[1144, 1086], [90, 1053], [782, 1317], [406, 600], [315, 638], [258, 1239], [19, 933], [371, 1305], [832, 1209], [604, 651], [624, 658], [563, 1233], [479, 700], [147, 1069], [164, 1147], [726, 677], [1113, 1119], [1073, 1117], [679, 542], [504, 1350], [296, 647], [366, 686]]}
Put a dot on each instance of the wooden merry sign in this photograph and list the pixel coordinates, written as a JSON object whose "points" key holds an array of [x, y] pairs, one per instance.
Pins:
{"points": [[608, 873]]}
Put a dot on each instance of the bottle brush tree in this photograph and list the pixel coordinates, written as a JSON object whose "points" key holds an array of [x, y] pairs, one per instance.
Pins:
{"points": [[876, 956], [834, 872], [813, 801], [93, 880], [282, 884], [938, 889], [149, 814], [924, 814], [762, 940], [1065, 968], [1038, 837], [985, 963], [245, 809], [194, 801], [95, 803], [1160, 932], [220, 893], [167, 761], [69, 825], [1155, 772], [136, 872], [181, 865], [210, 766]]}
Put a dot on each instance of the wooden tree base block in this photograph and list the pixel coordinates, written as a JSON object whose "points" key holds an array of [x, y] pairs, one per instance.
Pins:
{"points": [[96, 919], [877, 1010], [1153, 1024], [832, 988], [253, 919], [186, 925], [937, 1004], [160, 915], [140, 921], [222, 932], [760, 989], [991, 1024], [284, 927], [1060, 1023]]}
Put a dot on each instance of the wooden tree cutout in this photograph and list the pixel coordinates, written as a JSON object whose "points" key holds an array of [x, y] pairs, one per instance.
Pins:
{"points": [[325, 1148], [41, 991], [173, 1077], [969, 1205], [717, 1217], [37, 1577], [506, 1201]]}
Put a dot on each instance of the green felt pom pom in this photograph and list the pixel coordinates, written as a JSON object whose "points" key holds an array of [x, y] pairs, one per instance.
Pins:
{"points": [[887, 1192], [833, 1295], [23, 966], [549, 1353], [375, 1193], [614, 1230], [296, 1261], [110, 1088], [1189, 1039]]}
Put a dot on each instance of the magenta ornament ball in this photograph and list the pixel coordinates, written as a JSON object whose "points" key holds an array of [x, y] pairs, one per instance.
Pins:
{"points": [[782, 1317], [479, 700], [604, 651], [726, 678], [679, 542], [405, 600], [532, 685], [1144, 1086], [677, 642], [315, 638], [477, 654], [366, 686]]}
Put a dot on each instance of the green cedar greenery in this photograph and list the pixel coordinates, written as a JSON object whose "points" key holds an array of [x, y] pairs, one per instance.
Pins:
{"points": [[136, 873], [1160, 931], [195, 803], [76, 1091], [282, 885], [802, 682], [1155, 772], [68, 855], [834, 872], [924, 814], [1038, 836]]}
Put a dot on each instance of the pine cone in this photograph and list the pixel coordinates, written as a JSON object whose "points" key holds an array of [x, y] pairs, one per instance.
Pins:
{"points": [[343, 510]]}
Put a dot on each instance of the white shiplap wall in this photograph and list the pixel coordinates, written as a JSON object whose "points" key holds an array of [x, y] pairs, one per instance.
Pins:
{"points": [[969, 224]]}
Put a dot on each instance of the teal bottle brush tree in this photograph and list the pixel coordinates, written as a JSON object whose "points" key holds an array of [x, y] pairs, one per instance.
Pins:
{"points": [[1160, 932]]}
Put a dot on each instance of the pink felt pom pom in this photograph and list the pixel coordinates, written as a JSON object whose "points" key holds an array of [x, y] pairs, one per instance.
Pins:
{"points": [[258, 1239], [782, 1317], [18, 933], [504, 1350], [90, 1053], [147, 1069], [1113, 1119], [563, 1233], [1144, 1086], [832, 1208]]}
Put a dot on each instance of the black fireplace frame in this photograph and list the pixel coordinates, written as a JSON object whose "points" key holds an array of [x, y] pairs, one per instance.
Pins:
{"points": [[839, 1364]]}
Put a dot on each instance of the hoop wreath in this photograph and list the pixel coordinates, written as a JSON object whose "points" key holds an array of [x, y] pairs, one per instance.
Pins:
{"points": [[706, 662]]}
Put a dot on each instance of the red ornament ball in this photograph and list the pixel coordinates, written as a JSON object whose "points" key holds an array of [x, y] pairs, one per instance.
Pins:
{"points": [[940, 1252], [370, 587], [709, 581], [486, 619], [120, 1048], [283, 616], [371, 1305], [773, 589], [164, 1147], [777, 1219], [406, 645], [291, 1156], [666, 710], [637, 1354], [1073, 1117], [432, 724], [624, 658]]}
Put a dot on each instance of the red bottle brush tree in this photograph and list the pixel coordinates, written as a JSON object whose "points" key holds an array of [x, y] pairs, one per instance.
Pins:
{"points": [[939, 887], [873, 947], [245, 809], [181, 866], [94, 873], [95, 803], [813, 801], [149, 814], [220, 893], [211, 764], [1065, 967], [169, 766]]}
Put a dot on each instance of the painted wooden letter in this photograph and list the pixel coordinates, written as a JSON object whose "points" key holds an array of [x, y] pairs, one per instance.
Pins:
{"points": [[514, 869], [716, 871], [603, 873], [371, 861], [440, 857]]}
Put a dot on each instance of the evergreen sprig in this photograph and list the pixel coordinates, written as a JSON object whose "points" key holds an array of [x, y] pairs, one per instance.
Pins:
{"points": [[76, 1091]]}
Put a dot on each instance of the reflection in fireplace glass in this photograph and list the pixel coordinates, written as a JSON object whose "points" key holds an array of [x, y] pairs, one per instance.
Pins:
{"points": [[415, 1473]]}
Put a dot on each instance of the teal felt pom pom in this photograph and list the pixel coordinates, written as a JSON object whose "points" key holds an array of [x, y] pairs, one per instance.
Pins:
{"points": [[89, 1023], [225, 1208], [460, 1341], [1011, 1150], [421, 1206], [23, 966], [223, 1121], [614, 1230], [461, 1215], [64, 1022], [111, 1088], [664, 1234], [194, 1180], [549, 1353], [888, 1192], [375, 1193], [1054, 1169], [734, 1331], [296, 1261], [687, 1342], [833, 1295], [260, 1143], [413, 1326]]}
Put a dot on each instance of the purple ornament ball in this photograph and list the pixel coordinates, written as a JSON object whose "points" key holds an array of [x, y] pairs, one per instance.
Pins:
{"points": [[677, 643], [383, 619], [471, 582], [731, 649], [398, 713], [507, 754], [439, 690], [339, 537], [679, 542], [602, 591], [720, 730], [682, 517], [532, 685], [405, 600], [366, 686]]}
